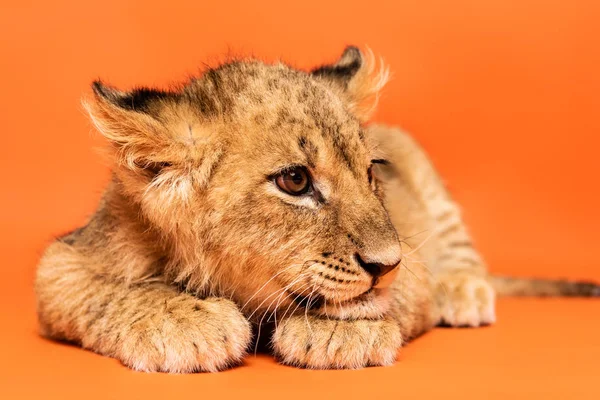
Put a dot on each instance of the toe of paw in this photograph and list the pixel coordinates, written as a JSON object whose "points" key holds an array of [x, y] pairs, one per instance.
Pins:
{"points": [[468, 315]]}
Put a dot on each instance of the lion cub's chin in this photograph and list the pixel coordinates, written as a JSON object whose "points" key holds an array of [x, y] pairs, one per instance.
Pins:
{"points": [[370, 305]]}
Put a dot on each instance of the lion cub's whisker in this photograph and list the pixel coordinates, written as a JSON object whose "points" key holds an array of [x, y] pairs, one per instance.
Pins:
{"points": [[283, 289], [265, 284], [306, 286]]}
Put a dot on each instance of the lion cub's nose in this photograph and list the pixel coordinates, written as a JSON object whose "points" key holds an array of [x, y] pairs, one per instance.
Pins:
{"points": [[376, 269]]}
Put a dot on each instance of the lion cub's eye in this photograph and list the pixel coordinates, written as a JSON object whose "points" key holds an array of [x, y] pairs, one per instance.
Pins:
{"points": [[294, 181]]}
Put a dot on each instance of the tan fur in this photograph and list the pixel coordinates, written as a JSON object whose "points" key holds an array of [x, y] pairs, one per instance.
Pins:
{"points": [[193, 243]]}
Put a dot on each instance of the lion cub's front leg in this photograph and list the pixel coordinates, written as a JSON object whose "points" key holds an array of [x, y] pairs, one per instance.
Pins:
{"points": [[148, 326], [315, 342], [184, 334]]}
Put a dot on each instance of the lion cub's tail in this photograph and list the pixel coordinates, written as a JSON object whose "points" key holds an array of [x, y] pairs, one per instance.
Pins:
{"points": [[506, 286]]}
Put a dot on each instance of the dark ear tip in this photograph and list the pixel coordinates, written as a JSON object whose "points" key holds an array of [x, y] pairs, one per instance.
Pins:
{"points": [[103, 91], [98, 87], [351, 55], [345, 68], [352, 51]]}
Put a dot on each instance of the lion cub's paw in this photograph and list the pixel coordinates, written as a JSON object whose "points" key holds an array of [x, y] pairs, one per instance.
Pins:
{"points": [[465, 300], [186, 335], [329, 344]]}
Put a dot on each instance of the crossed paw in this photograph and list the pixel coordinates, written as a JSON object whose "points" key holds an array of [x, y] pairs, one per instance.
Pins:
{"points": [[210, 335]]}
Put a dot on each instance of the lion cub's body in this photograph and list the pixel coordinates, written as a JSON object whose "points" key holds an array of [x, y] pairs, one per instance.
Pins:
{"points": [[193, 243]]}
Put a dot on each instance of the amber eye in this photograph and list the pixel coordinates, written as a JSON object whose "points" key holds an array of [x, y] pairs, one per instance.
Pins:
{"points": [[294, 181]]}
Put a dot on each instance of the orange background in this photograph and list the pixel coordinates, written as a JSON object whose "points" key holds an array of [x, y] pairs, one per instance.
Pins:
{"points": [[502, 93]]}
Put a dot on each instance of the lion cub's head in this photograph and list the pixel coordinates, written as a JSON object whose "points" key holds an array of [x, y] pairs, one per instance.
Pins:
{"points": [[257, 178]]}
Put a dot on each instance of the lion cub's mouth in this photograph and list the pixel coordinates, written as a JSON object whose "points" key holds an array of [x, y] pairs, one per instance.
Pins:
{"points": [[374, 303]]}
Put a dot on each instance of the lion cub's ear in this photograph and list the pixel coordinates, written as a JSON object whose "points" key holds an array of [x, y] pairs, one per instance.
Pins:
{"points": [[150, 129], [130, 121], [359, 78]]}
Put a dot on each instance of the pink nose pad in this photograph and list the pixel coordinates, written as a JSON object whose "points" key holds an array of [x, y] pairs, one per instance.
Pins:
{"points": [[387, 279]]}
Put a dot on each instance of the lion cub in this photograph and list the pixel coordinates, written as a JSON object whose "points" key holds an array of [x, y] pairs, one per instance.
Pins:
{"points": [[257, 196]]}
